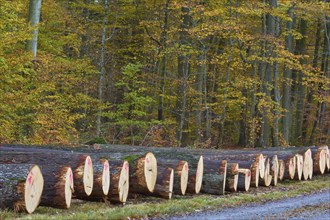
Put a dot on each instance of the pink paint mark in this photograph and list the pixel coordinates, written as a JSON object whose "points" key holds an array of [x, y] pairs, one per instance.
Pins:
{"points": [[249, 174], [186, 167], [147, 160], [89, 161], [70, 177], [30, 178], [196, 173], [106, 166]]}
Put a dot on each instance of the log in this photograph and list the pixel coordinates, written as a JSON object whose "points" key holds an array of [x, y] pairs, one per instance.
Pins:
{"points": [[232, 177], [164, 183], [253, 166], [181, 170], [244, 179], [214, 178], [274, 167], [299, 166], [101, 178], [281, 169], [119, 181], [267, 180], [290, 166], [195, 178], [58, 186], [80, 164], [143, 174], [319, 160], [21, 187]]}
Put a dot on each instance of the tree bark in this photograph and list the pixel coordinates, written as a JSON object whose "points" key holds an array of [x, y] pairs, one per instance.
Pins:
{"points": [[21, 187]]}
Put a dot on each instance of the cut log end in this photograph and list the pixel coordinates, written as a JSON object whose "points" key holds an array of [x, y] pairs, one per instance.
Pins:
{"points": [[244, 179], [171, 184], [88, 178], [69, 187], [106, 177], [33, 188], [123, 184], [150, 171], [281, 169], [184, 177], [261, 160], [299, 166], [199, 174]]}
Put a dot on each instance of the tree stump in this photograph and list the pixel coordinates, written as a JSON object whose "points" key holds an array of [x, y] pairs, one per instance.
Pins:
{"points": [[21, 187]]}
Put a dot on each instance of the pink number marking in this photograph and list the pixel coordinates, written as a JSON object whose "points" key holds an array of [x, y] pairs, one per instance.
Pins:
{"points": [[89, 161], [147, 160], [126, 168], [186, 167], [249, 174]]}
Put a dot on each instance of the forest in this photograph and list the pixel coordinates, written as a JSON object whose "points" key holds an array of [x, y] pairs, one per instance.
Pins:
{"points": [[198, 73]]}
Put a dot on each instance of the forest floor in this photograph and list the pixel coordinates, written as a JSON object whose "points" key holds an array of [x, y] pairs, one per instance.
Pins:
{"points": [[200, 206]]}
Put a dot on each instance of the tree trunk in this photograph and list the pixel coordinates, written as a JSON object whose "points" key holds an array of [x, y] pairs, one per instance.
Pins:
{"points": [[214, 178], [33, 19], [143, 174], [300, 93], [119, 181], [102, 68], [287, 97], [21, 187]]}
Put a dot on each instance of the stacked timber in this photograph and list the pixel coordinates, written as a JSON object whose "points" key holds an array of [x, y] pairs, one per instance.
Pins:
{"points": [[195, 178], [214, 178], [119, 181], [181, 172], [21, 187]]}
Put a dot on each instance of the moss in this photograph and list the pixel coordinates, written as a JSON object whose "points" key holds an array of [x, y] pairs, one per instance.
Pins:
{"points": [[131, 158]]}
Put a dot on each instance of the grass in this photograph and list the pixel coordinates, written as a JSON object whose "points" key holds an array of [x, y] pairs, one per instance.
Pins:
{"points": [[144, 207]]}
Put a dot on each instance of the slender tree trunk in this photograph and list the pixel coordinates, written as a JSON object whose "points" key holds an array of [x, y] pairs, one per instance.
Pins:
{"points": [[33, 19], [102, 69], [309, 104], [287, 118], [163, 63], [277, 96], [300, 93], [183, 73]]}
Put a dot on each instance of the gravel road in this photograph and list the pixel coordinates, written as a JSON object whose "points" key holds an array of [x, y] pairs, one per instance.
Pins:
{"points": [[314, 206]]}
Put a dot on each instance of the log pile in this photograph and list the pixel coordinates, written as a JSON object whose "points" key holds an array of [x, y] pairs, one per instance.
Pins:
{"points": [[32, 176]]}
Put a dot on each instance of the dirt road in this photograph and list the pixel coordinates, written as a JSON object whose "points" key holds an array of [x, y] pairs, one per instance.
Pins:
{"points": [[314, 206]]}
